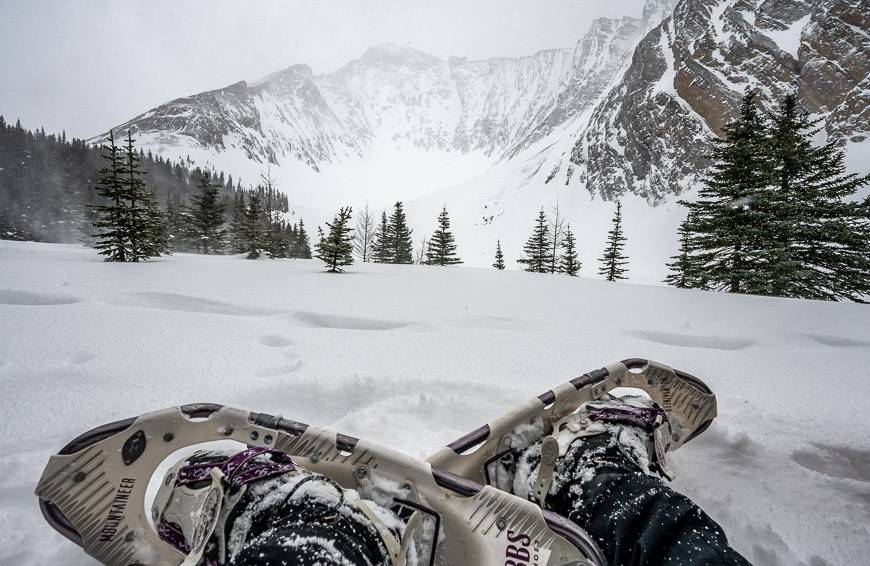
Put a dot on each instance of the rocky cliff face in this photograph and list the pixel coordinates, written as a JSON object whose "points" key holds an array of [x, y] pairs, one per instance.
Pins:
{"points": [[638, 98], [651, 133]]}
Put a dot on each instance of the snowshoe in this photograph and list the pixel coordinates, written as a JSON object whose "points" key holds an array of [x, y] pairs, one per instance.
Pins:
{"points": [[94, 493], [685, 403]]}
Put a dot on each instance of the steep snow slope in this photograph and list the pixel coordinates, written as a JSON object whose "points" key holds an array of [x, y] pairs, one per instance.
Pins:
{"points": [[414, 357]]}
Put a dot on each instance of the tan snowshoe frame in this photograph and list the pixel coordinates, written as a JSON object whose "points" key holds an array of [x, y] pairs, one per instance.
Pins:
{"points": [[93, 491], [688, 402]]}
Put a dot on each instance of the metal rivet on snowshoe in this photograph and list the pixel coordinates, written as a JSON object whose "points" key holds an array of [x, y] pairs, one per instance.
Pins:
{"points": [[225, 430], [169, 436], [267, 439], [79, 477], [130, 537], [361, 472], [133, 447], [255, 435], [314, 457], [501, 523]]}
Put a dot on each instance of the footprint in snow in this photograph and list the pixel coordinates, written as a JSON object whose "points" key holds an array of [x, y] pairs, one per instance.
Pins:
{"points": [[12, 297], [275, 341], [692, 340]]}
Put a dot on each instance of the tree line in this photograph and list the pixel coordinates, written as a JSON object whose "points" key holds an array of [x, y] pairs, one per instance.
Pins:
{"points": [[129, 226], [551, 248], [47, 183]]}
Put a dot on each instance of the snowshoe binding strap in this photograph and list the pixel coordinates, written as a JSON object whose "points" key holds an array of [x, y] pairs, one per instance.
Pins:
{"points": [[183, 509], [93, 491], [688, 404]]}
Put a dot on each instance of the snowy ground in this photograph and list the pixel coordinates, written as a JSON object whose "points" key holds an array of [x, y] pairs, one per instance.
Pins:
{"points": [[414, 357]]}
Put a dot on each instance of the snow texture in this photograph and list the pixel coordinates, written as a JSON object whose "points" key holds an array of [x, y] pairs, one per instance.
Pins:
{"points": [[784, 469]]}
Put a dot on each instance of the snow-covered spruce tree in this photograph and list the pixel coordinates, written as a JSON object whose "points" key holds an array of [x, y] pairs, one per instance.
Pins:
{"points": [[558, 227], [252, 229], [156, 241], [207, 215], [441, 249], [537, 254], [381, 246], [301, 247], [569, 263], [499, 257], [335, 249], [730, 230], [144, 224], [110, 235], [399, 237], [683, 270], [178, 223], [238, 226], [274, 243], [364, 234], [613, 261], [821, 233]]}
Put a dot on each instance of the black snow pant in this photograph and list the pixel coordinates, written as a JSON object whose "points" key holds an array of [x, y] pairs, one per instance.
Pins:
{"points": [[634, 517]]}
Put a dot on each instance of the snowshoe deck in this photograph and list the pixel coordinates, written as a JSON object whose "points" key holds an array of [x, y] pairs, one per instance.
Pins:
{"points": [[93, 491], [688, 402]]}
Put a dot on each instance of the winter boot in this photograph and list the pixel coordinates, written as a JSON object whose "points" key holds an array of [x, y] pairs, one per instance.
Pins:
{"points": [[628, 432], [257, 507]]}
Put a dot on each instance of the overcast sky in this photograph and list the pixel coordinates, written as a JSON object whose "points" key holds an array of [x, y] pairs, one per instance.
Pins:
{"points": [[86, 65]]}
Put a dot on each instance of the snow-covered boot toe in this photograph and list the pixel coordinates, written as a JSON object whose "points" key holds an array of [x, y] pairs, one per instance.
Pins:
{"points": [[630, 433]]}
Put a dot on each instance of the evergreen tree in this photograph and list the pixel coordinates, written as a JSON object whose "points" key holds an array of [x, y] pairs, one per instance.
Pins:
{"points": [[143, 222], [238, 241], [730, 232], [156, 241], [499, 257], [301, 247], [569, 263], [273, 236], [821, 235], [441, 249], [683, 271], [208, 216], [336, 248], [399, 237], [613, 262], [110, 216], [252, 227], [538, 256], [364, 235], [382, 247]]}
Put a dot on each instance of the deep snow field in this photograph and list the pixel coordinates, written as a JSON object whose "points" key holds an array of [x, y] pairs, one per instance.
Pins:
{"points": [[414, 357]]}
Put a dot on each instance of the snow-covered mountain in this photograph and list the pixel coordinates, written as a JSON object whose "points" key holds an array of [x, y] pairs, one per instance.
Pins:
{"points": [[639, 97], [629, 110], [397, 95]]}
